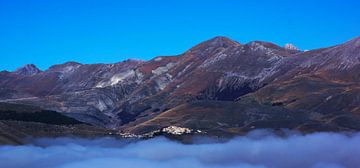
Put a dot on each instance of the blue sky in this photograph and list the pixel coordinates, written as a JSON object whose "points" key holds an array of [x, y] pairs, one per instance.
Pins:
{"points": [[107, 31]]}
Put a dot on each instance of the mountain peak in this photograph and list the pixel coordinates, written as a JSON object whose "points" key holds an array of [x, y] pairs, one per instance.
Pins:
{"points": [[213, 43], [221, 41], [64, 65], [28, 69]]}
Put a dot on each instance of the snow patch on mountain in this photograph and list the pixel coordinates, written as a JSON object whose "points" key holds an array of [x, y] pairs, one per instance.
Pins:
{"points": [[256, 46], [101, 105], [163, 69], [264, 74], [121, 77], [185, 69], [259, 47], [163, 81], [218, 57], [67, 70], [341, 57], [158, 59]]}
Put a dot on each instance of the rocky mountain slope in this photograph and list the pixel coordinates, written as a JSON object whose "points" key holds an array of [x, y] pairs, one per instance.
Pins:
{"points": [[18, 122], [218, 86]]}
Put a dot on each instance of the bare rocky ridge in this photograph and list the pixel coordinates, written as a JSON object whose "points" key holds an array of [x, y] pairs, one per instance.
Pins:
{"points": [[218, 86]]}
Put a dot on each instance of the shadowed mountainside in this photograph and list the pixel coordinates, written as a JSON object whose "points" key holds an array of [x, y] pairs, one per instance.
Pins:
{"points": [[21, 121]]}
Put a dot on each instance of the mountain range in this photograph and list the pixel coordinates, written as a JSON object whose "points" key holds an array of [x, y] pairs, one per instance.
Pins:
{"points": [[219, 87]]}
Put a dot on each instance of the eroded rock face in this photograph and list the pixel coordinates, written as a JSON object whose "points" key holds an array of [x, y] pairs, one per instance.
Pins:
{"points": [[129, 95], [290, 46]]}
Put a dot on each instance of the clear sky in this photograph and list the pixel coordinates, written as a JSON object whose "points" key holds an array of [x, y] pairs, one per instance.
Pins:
{"points": [[107, 31]]}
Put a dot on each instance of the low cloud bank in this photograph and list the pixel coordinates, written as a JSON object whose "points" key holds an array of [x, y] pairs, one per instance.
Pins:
{"points": [[256, 150]]}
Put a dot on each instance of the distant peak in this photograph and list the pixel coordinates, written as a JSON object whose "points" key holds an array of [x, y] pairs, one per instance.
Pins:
{"points": [[290, 46], [28, 69], [221, 41]]}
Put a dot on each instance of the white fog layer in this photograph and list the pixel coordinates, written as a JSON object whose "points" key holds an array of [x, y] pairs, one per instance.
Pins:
{"points": [[257, 149]]}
